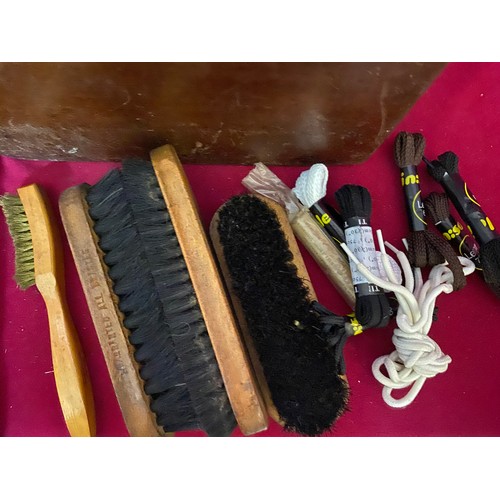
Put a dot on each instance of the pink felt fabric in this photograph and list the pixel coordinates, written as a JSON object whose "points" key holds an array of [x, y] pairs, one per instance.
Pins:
{"points": [[458, 112]]}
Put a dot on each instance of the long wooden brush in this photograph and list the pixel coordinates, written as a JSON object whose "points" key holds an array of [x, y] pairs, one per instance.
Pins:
{"points": [[39, 261], [161, 313], [296, 346]]}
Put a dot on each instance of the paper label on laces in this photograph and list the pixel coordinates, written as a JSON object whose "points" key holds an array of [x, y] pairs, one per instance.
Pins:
{"points": [[359, 239]]}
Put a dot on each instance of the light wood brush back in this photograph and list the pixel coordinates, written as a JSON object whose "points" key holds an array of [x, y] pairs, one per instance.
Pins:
{"points": [[70, 371]]}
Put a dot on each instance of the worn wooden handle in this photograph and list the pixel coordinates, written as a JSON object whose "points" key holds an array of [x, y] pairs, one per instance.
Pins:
{"points": [[106, 316], [234, 364], [326, 254], [70, 370]]}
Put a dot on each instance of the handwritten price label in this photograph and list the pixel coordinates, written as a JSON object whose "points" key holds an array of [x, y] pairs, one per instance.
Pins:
{"points": [[359, 239]]}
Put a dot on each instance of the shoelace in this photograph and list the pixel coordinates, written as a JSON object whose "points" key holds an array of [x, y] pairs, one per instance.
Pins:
{"points": [[337, 330], [417, 357]]}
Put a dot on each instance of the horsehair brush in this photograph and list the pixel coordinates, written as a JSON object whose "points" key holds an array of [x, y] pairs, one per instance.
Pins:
{"points": [[39, 261], [158, 303], [438, 211], [425, 248], [295, 345], [372, 305], [445, 171]]}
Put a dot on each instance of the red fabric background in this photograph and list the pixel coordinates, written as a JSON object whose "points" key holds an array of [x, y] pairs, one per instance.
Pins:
{"points": [[459, 112]]}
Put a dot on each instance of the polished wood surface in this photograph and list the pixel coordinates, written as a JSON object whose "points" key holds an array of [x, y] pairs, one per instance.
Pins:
{"points": [[225, 113]]}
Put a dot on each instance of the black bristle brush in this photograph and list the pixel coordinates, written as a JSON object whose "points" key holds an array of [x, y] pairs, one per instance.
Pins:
{"points": [[177, 321], [425, 248], [158, 301], [438, 211], [296, 343], [445, 171], [372, 306]]}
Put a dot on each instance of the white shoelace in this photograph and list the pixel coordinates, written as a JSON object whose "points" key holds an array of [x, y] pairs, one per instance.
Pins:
{"points": [[310, 186], [417, 356]]}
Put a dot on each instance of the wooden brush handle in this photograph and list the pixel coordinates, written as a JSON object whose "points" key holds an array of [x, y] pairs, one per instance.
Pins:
{"points": [[70, 371], [235, 367], [326, 254], [106, 316]]}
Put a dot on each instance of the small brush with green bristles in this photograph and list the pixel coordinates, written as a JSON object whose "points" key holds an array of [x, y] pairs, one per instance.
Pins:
{"points": [[39, 261]]}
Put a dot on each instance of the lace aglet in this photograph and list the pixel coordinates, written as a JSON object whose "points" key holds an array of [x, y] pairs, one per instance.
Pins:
{"points": [[392, 247], [381, 241]]}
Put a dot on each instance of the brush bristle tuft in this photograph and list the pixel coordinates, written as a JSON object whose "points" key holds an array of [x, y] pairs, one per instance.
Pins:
{"points": [[19, 229]]}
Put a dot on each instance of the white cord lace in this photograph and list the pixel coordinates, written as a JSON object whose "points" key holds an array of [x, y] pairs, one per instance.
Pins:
{"points": [[417, 356], [310, 186]]}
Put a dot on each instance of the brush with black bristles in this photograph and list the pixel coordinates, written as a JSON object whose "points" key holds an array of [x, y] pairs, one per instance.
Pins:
{"points": [[445, 171], [39, 261], [295, 344], [438, 211], [163, 319], [425, 248], [372, 305]]}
